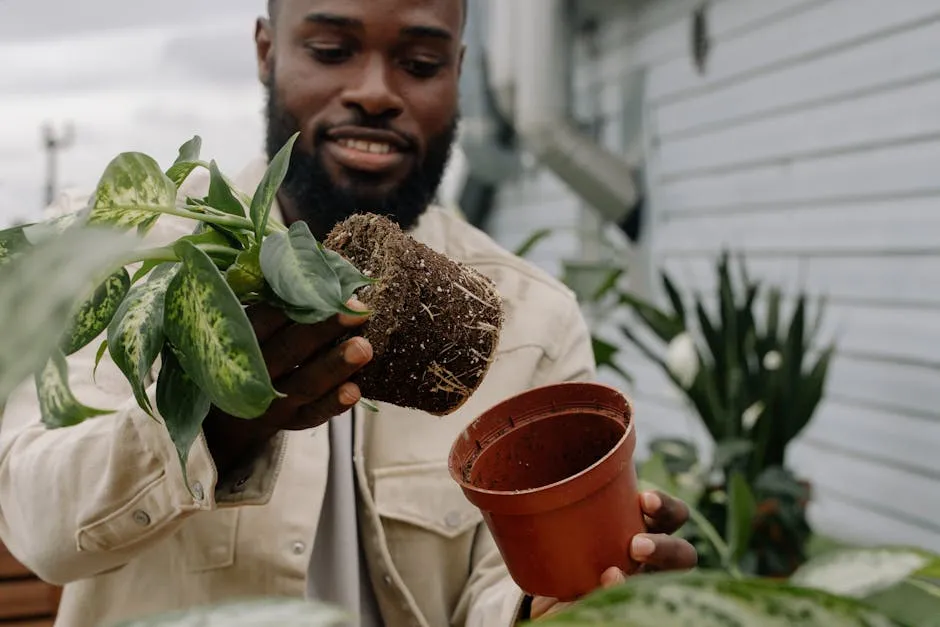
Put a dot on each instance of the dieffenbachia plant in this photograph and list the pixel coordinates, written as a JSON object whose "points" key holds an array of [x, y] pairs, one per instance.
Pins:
{"points": [[185, 303]]}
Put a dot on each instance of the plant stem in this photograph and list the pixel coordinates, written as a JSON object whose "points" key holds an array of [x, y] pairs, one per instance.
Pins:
{"points": [[220, 219]]}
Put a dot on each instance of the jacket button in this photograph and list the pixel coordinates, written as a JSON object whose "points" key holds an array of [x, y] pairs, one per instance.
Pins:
{"points": [[198, 491], [387, 579], [452, 519], [142, 518], [298, 548]]}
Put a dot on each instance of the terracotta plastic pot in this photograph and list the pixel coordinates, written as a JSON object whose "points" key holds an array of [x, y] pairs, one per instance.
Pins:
{"points": [[552, 472]]}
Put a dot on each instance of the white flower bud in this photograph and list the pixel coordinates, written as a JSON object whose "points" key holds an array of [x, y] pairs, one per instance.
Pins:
{"points": [[682, 359], [772, 360]]}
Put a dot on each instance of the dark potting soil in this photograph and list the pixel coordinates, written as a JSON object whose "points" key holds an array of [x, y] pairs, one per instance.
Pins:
{"points": [[545, 451], [435, 323]]}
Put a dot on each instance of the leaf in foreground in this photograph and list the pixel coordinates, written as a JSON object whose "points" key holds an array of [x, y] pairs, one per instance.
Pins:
{"points": [[861, 572], [314, 284], [135, 335], [280, 612], [264, 195], [11, 242], [213, 338], [245, 275], [714, 600], [186, 161], [58, 405], [132, 192], [182, 405], [46, 283], [95, 314]]}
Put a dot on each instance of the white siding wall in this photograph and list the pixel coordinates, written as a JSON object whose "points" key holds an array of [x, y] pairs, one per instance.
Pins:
{"points": [[812, 142]]}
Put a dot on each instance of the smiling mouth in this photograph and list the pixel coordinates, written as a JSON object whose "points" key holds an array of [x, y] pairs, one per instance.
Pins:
{"points": [[375, 148]]}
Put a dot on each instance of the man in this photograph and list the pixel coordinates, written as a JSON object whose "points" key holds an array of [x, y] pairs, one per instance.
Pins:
{"points": [[315, 498]]}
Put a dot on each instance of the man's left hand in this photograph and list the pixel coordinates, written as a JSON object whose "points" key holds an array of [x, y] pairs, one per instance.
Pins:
{"points": [[656, 550]]}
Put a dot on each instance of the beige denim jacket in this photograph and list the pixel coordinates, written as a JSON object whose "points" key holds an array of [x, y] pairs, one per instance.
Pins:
{"points": [[102, 507]]}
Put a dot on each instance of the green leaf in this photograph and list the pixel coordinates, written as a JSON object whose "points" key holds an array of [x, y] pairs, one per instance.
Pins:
{"points": [[252, 613], [145, 269], [182, 404], [135, 335], [313, 281], [267, 189], [220, 194], [132, 192], [213, 337], [11, 242], [186, 162], [47, 282], [95, 314], [861, 572], [678, 308], [665, 327], [57, 404], [102, 349], [604, 357], [532, 241], [913, 602], [245, 275], [741, 510], [727, 452], [711, 600]]}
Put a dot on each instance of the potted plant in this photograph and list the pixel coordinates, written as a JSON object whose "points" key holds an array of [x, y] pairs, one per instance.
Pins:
{"points": [[186, 303], [755, 382]]}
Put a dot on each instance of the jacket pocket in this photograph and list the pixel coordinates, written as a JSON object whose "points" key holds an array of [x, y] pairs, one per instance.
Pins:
{"points": [[207, 540], [425, 496]]}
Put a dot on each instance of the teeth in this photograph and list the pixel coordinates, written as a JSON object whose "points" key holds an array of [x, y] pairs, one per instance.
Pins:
{"points": [[364, 146]]}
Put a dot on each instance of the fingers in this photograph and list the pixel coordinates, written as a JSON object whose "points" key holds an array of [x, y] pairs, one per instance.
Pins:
{"points": [[663, 552], [543, 607], [294, 344], [266, 320], [663, 513], [322, 374], [333, 404], [612, 577]]}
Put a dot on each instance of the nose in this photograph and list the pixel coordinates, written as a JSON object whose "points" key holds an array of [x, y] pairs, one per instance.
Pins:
{"points": [[374, 94]]}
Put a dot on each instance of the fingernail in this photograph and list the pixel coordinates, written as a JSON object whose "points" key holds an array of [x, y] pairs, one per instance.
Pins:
{"points": [[642, 547], [355, 303], [347, 396], [357, 351], [651, 502]]}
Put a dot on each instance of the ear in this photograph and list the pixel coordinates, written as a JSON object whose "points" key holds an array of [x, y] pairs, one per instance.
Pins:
{"points": [[264, 49]]}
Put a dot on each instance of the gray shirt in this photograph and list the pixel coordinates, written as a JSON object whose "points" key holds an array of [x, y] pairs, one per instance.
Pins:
{"points": [[337, 573]]}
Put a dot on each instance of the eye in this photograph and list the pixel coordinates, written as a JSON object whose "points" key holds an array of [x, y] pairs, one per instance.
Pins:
{"points": [[330, 55], [422, 68]]}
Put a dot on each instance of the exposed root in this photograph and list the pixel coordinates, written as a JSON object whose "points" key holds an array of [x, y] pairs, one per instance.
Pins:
{"points": [[446, 381], [474, 296]]}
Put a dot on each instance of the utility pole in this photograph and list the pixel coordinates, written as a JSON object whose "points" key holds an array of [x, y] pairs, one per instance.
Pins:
{"points": [[53, 143]]}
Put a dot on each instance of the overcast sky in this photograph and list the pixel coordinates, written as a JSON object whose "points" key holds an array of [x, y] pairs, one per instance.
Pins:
{"points": [[128, 75]]}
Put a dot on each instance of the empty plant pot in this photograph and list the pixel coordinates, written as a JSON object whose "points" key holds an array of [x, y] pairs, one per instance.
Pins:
{"points": [[552, 472]]}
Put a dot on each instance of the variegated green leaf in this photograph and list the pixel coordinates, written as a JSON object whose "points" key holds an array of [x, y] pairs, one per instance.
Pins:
{"points": [[252, 613], [145, 269], [213, 338], [313, 281], [220, 194], [135, 335], [715, 600], [264, 195], [245, 275], [864, 571], [186, 161], [95, 314], [182, 404], [53, 227], [46, 282], [11, 241], [57, 404], [132, 192]]}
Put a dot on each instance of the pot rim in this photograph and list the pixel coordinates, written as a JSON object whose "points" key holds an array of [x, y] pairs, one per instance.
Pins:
{"points": [[456, 466]]}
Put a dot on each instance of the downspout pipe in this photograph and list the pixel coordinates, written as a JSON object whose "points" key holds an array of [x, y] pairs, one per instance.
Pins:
{"points": [[603, 179]]}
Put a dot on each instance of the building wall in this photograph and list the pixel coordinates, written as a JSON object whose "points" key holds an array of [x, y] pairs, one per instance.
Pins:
{"points": [[812, 143]]}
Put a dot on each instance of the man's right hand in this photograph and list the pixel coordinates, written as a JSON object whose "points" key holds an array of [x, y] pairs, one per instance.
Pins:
{"points": [[305, 364]]}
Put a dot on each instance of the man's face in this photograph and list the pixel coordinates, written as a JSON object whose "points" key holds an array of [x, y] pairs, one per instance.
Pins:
{"points": [[372, 87]]}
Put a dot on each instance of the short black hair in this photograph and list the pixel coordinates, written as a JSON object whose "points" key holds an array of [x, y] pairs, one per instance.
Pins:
{"points": [[272, 9]]}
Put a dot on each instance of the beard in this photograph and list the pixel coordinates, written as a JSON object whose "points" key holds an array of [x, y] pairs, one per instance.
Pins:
{"points": [[322, 202]]}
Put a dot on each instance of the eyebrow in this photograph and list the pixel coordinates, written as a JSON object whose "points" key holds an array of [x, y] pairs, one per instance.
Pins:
{"points": [[341, 21]]}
